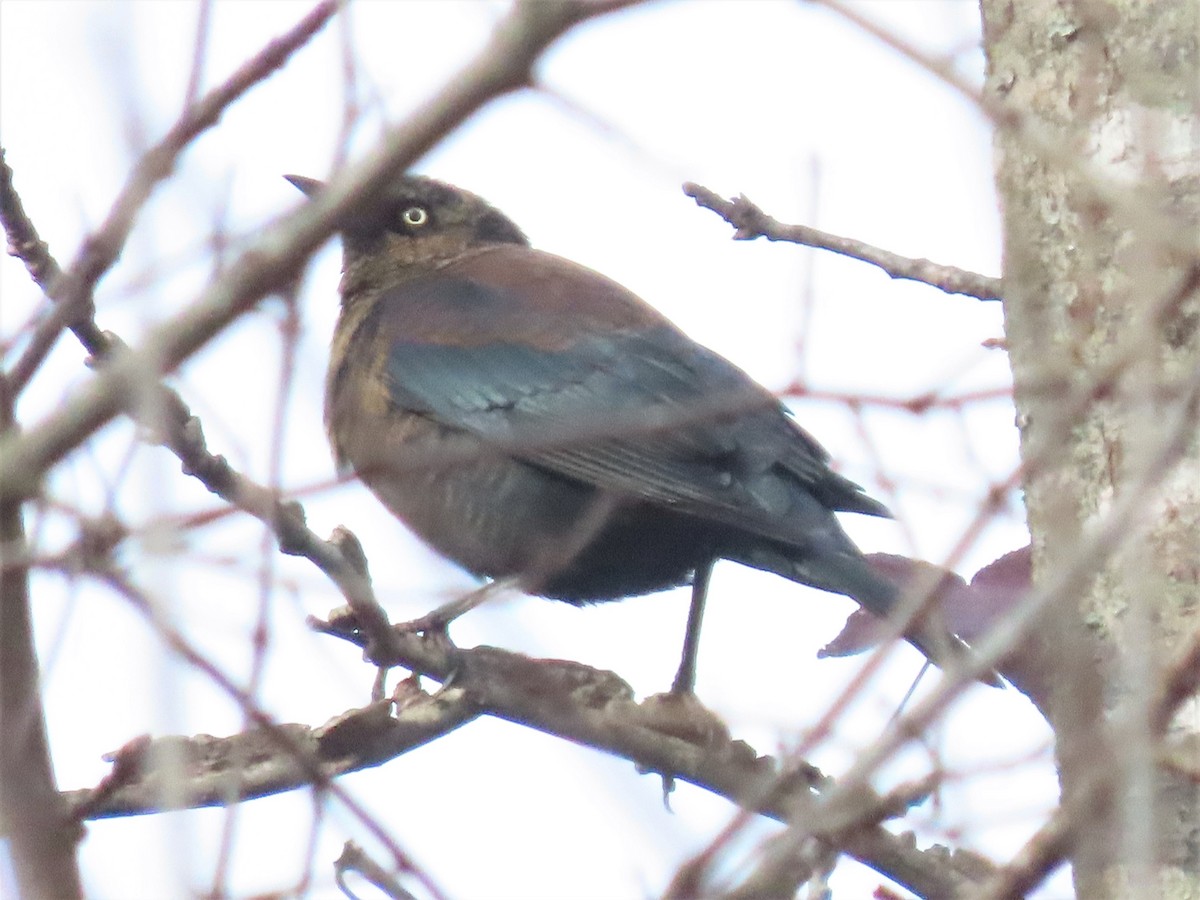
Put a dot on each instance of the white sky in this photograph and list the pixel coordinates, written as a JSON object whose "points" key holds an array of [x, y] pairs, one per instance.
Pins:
{"points": [[781, 101]]}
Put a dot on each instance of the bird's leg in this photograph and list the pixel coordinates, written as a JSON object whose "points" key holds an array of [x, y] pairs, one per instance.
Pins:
{"points": [[440, 618], [685, 678]]}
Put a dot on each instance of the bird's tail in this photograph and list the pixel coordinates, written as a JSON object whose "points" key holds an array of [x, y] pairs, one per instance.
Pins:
{"points": [[855, 578], [843, 570]]}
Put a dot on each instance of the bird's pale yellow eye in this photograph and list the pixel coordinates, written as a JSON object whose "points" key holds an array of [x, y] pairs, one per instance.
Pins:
{"points": [[415, 216]]}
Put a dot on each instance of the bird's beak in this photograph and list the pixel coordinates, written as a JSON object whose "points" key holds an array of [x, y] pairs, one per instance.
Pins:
{"points": [[310, 187]]}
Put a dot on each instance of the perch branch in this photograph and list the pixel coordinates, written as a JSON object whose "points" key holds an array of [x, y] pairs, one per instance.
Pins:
{"points": [[588, 706]]}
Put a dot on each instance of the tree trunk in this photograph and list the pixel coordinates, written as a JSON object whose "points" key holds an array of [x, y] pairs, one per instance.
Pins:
{"points": [[1098, 171]]}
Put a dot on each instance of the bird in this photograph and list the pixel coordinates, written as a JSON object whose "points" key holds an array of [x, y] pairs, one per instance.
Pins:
{"points": [[531, 419]]}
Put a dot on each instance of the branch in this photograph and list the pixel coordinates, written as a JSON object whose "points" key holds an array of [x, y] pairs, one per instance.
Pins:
{"points": [[503, 65], [1168, 227], [751, 222], [355, 859], [173, 424], [587, 706], [273, 261], [1048, 849], [1095, 545], [72, 290], [268, 758], [151, 775], [41, 835], [173, 421]]}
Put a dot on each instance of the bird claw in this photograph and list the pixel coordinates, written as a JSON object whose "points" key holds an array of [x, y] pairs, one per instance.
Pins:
{"points": [[439, 620]]}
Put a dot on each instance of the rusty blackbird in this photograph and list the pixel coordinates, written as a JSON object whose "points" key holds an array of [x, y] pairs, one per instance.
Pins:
{"points": [[528, 417]]}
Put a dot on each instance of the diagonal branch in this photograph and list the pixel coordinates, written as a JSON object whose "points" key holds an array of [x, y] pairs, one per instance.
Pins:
{"points": [[1048, 849], [72, 290], [272, 262], [502, 66], [1168, 227], [561, 698], [270, 752], [1095, 546]]}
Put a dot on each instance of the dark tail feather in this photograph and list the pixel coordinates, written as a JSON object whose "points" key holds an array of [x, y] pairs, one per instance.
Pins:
{"points": [[853, 576], [844, 571]]}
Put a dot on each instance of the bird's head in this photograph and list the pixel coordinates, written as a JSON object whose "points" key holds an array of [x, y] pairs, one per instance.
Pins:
{"points": [[414, 226]]}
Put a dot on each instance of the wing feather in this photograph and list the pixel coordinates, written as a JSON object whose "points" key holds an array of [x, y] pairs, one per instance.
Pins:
{"points": [[645, 413]]}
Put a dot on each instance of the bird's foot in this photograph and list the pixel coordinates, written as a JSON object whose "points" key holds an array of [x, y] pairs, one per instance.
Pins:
{"points": [[681, 715], [439, 620]]}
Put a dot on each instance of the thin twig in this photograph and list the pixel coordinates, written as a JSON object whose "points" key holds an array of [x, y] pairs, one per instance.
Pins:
{"points": [[1096, 545], [504, 65], [1048, 848], [751, 222], [1166, 227], [355, 859], [173, 422], [72, 289], [302, 755]]}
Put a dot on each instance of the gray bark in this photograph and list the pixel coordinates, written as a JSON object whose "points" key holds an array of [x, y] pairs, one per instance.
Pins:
{"points": [[1098, 167]]}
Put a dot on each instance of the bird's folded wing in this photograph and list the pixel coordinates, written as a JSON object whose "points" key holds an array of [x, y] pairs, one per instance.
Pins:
{"points": [[647, 414]]}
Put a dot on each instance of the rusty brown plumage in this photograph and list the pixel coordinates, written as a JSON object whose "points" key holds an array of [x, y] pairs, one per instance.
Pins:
{"points": [[531, 418]]}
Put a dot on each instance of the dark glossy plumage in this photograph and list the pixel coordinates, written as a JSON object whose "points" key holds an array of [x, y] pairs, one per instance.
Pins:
{"points": [[527, 416]]}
